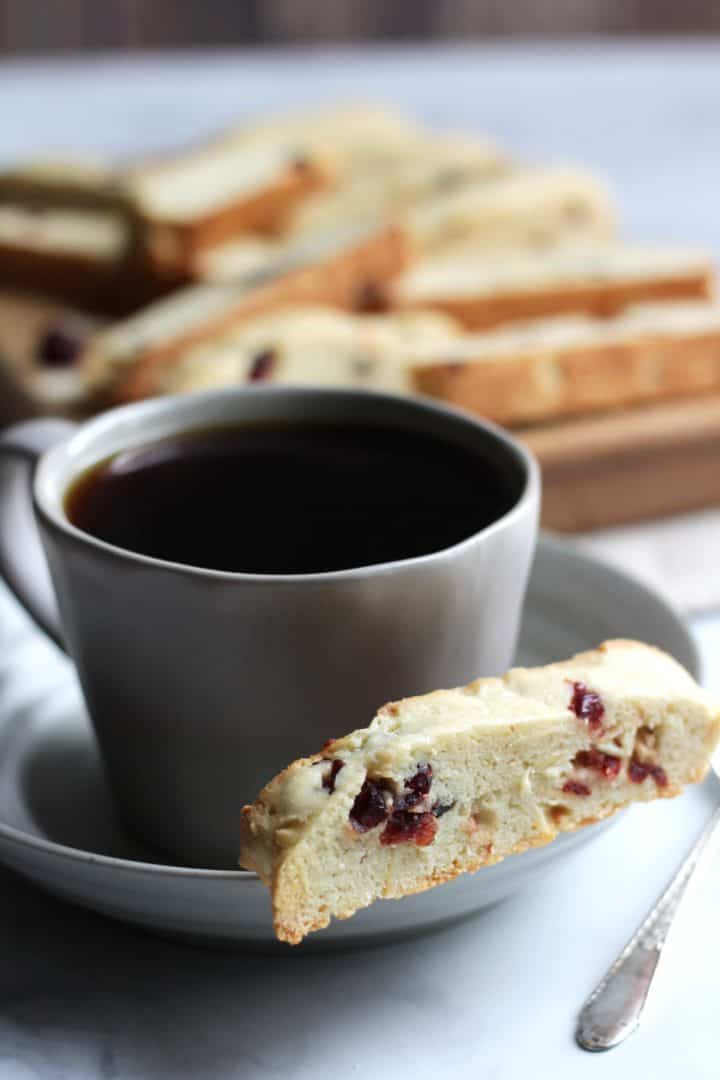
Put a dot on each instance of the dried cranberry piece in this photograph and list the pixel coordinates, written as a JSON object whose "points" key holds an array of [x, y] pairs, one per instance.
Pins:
{"points": [[370, 807], [638, 772], [404, 826], [262, 365], [328, 780], [59, 346], [416, 788], [370, 298], [607, 764], [587, 705], [406, 815], [575, 787], [421, 781], [659, 775]]}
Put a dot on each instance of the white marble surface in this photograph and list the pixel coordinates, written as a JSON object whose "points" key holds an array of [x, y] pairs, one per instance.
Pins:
{"points": [[495, 998]]}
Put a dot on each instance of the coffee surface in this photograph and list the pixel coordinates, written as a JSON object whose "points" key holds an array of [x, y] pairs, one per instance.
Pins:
{"points": [[290, 498]]}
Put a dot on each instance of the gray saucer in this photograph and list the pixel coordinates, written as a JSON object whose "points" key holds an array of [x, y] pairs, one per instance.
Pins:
{"points": [[58, 828]]}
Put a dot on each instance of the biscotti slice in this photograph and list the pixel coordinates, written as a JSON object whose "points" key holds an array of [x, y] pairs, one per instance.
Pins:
{"points": [[217, 191], [383, 161], [459, 779], [422, 168], [361, 136], [71, 230], [86, 258], [251, 178], [529, 208], [527, 372], [483, 291], [309, 346], [371, 139], [67, 230], [347, 270], [41, 342]]}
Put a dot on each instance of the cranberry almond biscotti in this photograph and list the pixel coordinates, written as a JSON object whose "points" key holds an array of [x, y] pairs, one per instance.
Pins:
{"points": [[484, 291], [130, 360], [542, 369], [69, 230], [457, 779]]}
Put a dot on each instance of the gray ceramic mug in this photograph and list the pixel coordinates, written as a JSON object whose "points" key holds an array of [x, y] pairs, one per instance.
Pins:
{"points": [[200, 684]]}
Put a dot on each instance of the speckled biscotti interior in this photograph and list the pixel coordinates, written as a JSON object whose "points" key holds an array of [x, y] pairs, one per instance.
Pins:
{"points": [[458, 779]]}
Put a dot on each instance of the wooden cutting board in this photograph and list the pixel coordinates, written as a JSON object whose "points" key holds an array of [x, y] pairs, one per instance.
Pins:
{"points": [[629, 465]]}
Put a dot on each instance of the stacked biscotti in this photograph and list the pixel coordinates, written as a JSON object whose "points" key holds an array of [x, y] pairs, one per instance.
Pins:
{"points": [[351, 246], [141, 230], [519, 374], [304, 345], [130, 359], [68, 230], [114, 237], [521, 371]]}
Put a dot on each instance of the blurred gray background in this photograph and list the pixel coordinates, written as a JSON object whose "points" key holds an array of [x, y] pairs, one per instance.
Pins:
{"points": [[42, 26]]}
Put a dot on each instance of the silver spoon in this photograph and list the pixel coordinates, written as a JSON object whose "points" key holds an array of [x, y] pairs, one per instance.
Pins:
{"points": [[613, 1010]]}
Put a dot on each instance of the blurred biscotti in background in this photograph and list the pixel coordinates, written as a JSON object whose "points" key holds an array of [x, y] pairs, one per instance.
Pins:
{"points": [[347, 246], [310, 346], [41, 342], [350, 271], [482, 291], [549, 368], [69, 230]]}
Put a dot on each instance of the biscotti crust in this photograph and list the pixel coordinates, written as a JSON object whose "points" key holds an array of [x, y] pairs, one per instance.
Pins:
{"points": [[598, 299], [554, 383], [177, 244], [110, 288], [339, 281]]}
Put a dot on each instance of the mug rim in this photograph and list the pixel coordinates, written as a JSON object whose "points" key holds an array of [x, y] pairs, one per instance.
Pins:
{"points": [[52, 511]]}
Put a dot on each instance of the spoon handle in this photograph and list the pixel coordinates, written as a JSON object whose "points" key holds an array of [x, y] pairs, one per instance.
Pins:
{"points": [[613, 1009]]}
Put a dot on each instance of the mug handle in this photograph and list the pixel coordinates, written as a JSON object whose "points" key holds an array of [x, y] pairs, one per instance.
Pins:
{"points": [[22, 560]]}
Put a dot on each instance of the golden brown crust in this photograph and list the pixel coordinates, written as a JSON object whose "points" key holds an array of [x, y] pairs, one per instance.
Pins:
{"points": [[526, 388], [160, 254], [602, 299], [99, 285], [176, 244], [337, 281], [249, 813]]}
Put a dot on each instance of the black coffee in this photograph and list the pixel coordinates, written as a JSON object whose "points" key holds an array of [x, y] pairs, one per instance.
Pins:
{"points": [[291, 498]]}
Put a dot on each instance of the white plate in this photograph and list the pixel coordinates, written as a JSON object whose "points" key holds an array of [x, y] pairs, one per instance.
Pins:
{"points": [[57, 825]]}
